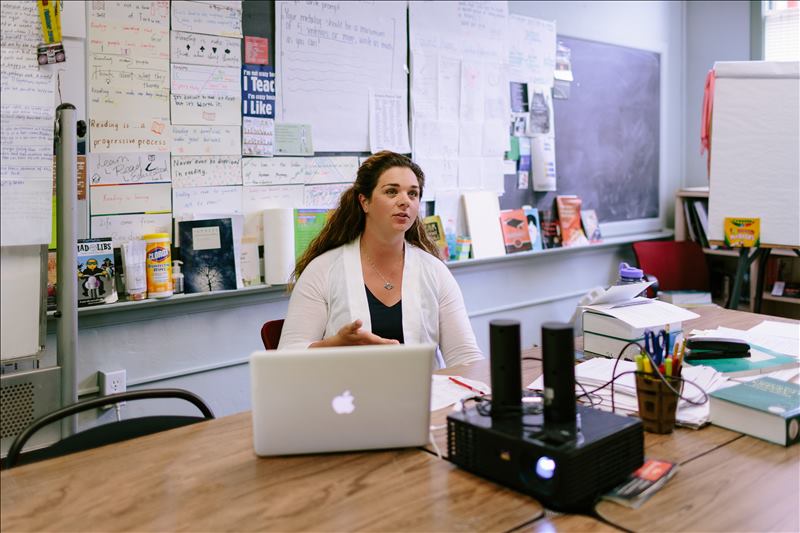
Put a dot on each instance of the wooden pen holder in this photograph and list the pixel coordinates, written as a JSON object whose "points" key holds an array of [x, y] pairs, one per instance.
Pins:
{"points": [[657, 402]]}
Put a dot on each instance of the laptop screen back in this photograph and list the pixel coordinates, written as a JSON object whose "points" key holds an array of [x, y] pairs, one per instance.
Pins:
{"points": [[344, 398]]}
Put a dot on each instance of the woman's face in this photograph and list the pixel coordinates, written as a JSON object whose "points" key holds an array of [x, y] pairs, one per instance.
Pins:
{"points": [[394, 204]]}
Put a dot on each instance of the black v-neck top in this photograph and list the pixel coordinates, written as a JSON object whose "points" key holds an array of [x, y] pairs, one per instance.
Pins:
{"points": [[387, 322]]}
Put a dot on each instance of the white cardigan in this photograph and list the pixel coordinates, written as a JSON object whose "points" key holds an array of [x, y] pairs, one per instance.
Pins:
{"points": [[331, 293]]}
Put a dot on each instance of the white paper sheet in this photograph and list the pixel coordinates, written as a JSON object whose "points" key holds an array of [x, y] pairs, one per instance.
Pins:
{"points": [[207, 200], [279, 260], [472, 88], [127, 168], [299, 170], [647, 315], [444, 392], [199, 49], [388, 122], [205, 171], [782, 337], [128, 104], [327, 85], [425, 86], [121, 37], [152, 14], [435, 138], [532, 49], [257, 198], [205, 95], [258, 136], [206, 18], [470, 29], [492, 178], [124, 199], [470, 175], [324, 196], [124, 228], [449, 208], [543, 154], [206, 140]]}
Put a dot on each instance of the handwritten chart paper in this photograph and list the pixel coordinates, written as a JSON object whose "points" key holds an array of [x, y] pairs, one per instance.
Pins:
{"points": [[200, 200], [123, 228], [205, 95], [329, 55], [258, 198], [211, 19], [206, 140], [258, 136], [128, 104], [26, 130], [124, 38], [299, 170], [199, 49], [125, 199], [152, 13], [197, 171], [128, 168]]}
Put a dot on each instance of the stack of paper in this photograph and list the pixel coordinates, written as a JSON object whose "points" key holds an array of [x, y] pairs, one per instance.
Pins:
{"points": [[598, 371]]}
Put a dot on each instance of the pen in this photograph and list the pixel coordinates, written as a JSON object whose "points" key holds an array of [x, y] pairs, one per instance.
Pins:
{"points": [[466, 386]]}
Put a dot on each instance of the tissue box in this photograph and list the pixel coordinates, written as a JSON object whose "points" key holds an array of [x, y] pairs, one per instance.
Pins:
{"points": [[605, 335]]}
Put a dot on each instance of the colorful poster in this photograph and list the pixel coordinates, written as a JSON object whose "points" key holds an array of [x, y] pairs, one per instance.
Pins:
{"points": [[256, 50]]}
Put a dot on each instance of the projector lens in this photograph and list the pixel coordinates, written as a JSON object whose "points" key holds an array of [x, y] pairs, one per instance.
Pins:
{"points": [[545, 467]]}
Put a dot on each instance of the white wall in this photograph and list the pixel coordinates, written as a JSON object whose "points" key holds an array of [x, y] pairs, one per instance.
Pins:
{"points": [[715, 31]]}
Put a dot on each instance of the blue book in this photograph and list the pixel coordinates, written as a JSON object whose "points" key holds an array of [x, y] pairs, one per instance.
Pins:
{"points": [[765, 408], [207, 253], [534, 227]]}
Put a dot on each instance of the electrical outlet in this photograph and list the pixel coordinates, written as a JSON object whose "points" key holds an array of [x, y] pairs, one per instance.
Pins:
{"points": [[112, 382]]}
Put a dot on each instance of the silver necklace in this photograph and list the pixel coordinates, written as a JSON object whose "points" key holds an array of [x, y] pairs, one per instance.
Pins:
{"points": [[386, 283]]}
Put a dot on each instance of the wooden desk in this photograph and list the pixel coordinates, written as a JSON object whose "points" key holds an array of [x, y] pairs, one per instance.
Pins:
{"points": [[207, 477]]}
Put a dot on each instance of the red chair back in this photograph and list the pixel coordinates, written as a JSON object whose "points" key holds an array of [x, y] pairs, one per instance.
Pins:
{"points": [[678, 265], [271, 334]]}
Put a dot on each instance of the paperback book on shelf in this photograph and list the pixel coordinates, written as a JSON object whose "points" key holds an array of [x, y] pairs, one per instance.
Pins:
{"points": [[515, 231], [435, 230], [765, 408], [534, 226], [551, 231], [96, 283], [569, 218], [591, 225], [208, 255]]}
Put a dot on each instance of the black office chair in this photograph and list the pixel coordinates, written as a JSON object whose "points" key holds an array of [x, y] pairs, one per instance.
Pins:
{"points": [[107, 433]]}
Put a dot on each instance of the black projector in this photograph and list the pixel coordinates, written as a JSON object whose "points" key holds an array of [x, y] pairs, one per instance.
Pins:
{"points": [[563, 454], [565, 473]]}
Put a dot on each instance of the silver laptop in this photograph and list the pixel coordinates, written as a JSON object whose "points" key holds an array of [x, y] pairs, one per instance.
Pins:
{"points": [[343, 398]]}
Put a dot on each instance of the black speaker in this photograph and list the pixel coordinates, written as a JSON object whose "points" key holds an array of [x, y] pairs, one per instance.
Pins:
{"points": [[558, 360], [504, 345]]}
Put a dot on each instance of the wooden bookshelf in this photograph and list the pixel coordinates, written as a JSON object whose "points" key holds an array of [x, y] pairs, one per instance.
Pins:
{"points": [[726, 260]]}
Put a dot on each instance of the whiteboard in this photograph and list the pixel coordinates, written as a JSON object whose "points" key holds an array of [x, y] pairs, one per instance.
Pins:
{"points": [[328, 57], [755, 169]]}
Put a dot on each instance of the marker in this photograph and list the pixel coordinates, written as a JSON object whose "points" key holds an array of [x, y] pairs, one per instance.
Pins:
{"points": [[465, 385], [639, 363], [662, 369], [648, 368], [668, 366]]}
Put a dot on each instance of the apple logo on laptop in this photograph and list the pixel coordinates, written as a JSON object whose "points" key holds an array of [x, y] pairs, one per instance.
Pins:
{"points": [[343, 404]]}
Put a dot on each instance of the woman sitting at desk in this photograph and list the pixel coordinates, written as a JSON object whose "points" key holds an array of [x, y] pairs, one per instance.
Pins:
{"points": [[373, 276]]}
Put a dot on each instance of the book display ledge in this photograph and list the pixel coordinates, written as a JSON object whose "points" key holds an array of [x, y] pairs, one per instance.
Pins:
{"points": [[128, 311]]}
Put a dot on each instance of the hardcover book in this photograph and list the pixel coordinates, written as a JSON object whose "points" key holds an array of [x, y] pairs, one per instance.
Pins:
{"points": [[569, 218], [208, 255], [96, 272], [514, 225], [765, 408], [534, 226]]}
